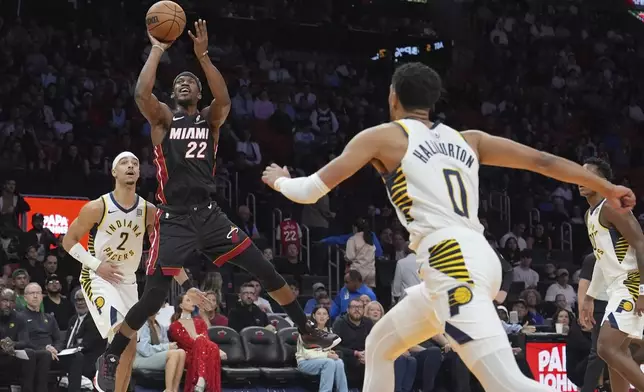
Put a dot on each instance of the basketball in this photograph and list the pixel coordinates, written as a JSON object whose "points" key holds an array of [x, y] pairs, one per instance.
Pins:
{"points": [[165, 21]]}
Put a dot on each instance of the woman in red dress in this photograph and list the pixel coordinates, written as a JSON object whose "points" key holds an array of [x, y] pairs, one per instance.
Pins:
{"points": [[203, 357]]}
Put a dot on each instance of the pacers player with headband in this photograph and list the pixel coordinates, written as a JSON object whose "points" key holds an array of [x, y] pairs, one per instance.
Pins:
{"points": [[618, 244], [116, 223], [431, 174]]}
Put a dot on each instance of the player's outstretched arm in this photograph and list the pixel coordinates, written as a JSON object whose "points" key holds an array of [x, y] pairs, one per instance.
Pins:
{"points": [[498, 151], [220, 105], [307, 190], [153, 110], [90, 215]]}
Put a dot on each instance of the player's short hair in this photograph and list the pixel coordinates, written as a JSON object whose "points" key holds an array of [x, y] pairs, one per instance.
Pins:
{"points": [[355, 275], [417, 86], [602, 166], [189, 74]]}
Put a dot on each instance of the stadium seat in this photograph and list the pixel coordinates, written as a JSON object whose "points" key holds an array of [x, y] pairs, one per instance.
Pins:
{"points": [[264, 350], [234, 367], [278, 322]]}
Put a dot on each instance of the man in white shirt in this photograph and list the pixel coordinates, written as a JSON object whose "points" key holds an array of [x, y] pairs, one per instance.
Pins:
{"points": [[406, 276], [562, 287], [523, 272], [516, 233]]}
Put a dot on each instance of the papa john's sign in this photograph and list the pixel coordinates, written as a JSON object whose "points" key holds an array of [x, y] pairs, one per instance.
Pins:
{"points": [[58, 212], [547, 362]]}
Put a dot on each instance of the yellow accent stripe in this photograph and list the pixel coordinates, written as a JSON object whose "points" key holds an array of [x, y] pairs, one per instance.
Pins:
{"points": [[104, 211], [447, 258], [399, 196], [621, 247], [403, 126], [90, 245], [632, 283], [86, 283]]}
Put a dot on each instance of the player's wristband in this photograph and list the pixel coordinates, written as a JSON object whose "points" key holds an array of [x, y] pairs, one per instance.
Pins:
{"points": [[187, 285], [642, 289], [159, 47], [79, 252]]}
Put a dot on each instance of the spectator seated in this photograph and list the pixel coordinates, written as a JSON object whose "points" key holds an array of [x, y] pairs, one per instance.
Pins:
{"points": [[234, 368], [264, 350]]}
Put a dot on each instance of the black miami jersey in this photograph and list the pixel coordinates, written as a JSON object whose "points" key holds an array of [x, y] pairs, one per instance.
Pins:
{"points": [[185, 161]]}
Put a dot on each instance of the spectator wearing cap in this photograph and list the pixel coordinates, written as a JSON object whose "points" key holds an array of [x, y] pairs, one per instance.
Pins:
{"points": [[20, 282], [56, 304], [561, 286], [523, 272], [321, 298], [40, 236], [33, 267], [353, 289]]}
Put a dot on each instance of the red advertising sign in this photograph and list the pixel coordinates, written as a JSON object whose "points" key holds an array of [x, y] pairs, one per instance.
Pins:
{"points": [[58, 212], [547, 362]]}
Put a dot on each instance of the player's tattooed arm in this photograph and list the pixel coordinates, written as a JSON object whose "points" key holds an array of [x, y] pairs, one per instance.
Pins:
{"points": [[220, 105], [498, 151], [628, 226], [153, 110]]}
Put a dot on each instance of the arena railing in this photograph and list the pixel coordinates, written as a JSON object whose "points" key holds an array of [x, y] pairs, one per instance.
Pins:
{"points": [[566, 236], [534, 218], [500, 202], [277, 219], [334, 264], [227, 187], [251, 203]]}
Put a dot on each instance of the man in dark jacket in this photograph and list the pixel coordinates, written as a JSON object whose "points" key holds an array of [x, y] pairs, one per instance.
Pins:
{"points": [[353, 328], [245, 313], [13, 336]]}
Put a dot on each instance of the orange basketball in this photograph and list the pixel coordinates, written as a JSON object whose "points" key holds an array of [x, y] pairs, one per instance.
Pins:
{"points": [[165, 21]]}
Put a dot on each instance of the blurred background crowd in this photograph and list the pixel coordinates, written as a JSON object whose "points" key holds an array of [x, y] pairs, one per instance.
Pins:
{"points": [[304, 78]]}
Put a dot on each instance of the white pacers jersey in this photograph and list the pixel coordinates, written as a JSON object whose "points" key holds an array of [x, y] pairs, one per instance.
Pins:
{"points": [[614, 256], [436, 185], [118, 237]]}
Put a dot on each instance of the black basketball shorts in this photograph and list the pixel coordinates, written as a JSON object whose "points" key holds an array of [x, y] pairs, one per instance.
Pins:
{"points": [[178, 236]]}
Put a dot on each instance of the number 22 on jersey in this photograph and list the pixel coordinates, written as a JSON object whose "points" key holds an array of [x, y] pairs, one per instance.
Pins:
{"points": [[196, 150]]}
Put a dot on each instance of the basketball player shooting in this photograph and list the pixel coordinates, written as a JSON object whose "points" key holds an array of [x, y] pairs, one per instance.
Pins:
{"points": [[116, 223], [618, 244], [431, 174], [187, 219]]}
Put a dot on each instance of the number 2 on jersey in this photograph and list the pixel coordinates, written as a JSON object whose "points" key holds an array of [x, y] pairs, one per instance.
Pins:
{"points": [[192, 147], [457, 192], [124, 236]]}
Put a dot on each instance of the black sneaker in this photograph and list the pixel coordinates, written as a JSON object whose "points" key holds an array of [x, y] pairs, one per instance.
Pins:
{"points": [[317, 338], [105, 378]]}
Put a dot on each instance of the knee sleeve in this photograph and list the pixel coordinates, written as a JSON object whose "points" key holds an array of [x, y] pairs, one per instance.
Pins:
{"points": [[253, 261], [153, 298]]}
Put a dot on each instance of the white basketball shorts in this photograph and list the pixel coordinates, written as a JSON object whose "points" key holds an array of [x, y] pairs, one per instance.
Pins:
{"points": [[107, 303], [622, 295]]}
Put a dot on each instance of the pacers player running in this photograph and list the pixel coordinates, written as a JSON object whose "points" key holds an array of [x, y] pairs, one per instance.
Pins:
{"points": [[431, 174], [116, 223], [618, 244]]}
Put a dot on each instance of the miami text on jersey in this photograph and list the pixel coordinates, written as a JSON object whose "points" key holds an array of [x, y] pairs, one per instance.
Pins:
{"points": [[189, 133]]}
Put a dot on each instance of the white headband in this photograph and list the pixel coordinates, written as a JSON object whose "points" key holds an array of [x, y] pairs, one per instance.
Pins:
{"points": [[124, 154]]}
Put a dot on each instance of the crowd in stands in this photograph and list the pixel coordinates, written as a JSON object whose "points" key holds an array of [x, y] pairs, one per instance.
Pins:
{"points": [[559, 76]]}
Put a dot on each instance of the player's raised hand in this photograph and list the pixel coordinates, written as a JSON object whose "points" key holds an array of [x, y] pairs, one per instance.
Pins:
{"points": [[156, 42], [109, 272], [199, 298], [621, 198], [272, 173], [200, 38]]}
